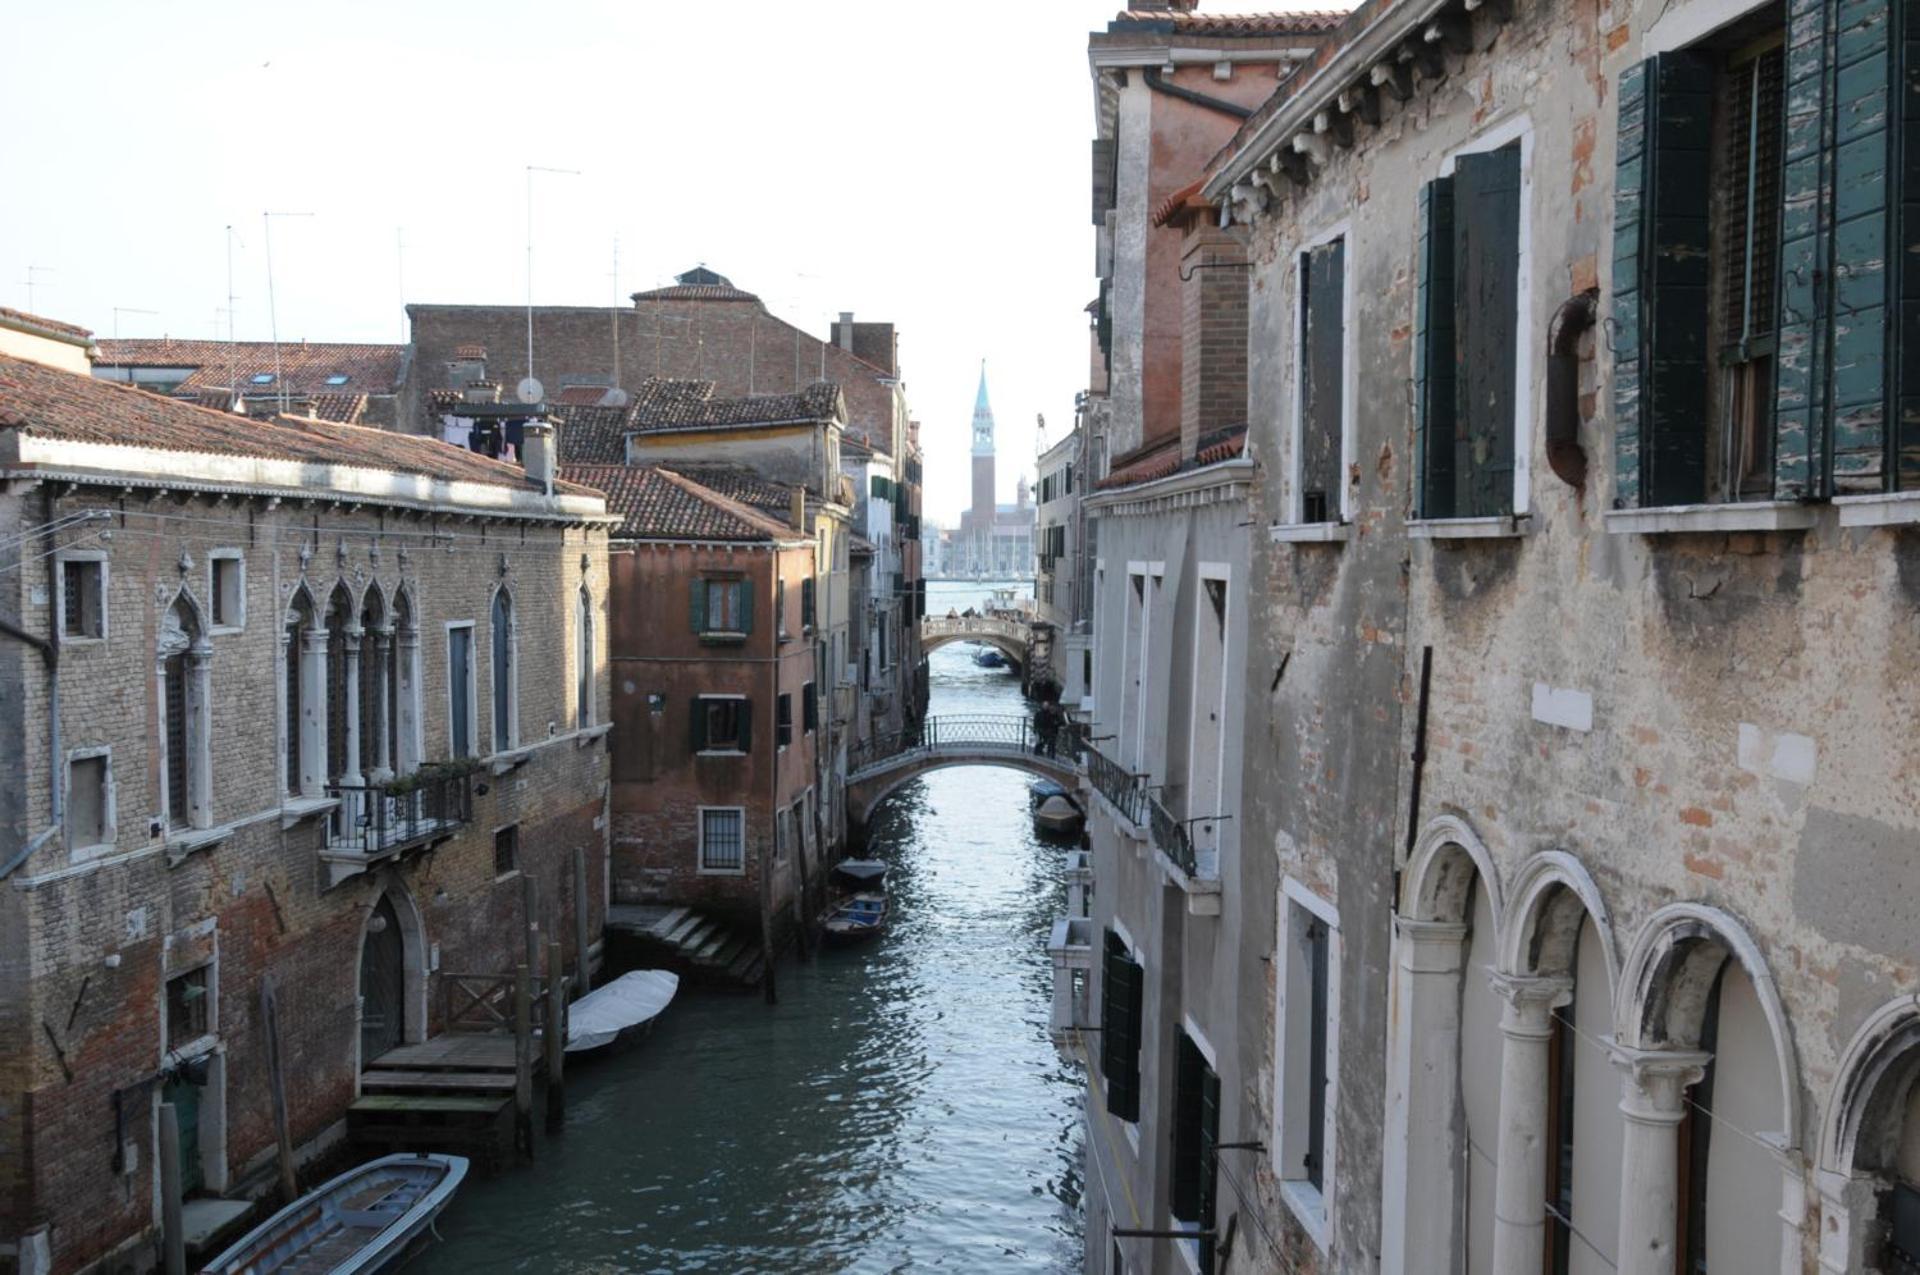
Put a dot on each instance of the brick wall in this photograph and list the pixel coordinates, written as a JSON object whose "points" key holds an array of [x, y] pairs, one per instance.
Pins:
{"points": [[1213, 334]]}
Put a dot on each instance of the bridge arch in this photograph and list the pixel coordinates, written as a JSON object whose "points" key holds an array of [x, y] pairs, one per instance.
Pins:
{"points": [[943, 742], [1014, 651]]}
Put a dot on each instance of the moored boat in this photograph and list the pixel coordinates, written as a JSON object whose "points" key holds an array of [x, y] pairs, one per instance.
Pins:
{"points": [[625, 1007], [856, 917], [1058, 816], [862, 871], [987, 657], [367, 1219]]}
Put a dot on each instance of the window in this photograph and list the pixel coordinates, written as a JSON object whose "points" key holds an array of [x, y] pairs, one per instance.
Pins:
{"points": [[1306, 1048], [722, 607], [1695, 1142], [460, 723], [89, 800], [780, 607], [783, 720], [722, 724], [1560, 1131], [505, 710], [185, 699], [188, 1011], [1196, 1133], [806, 604], [810, 707], [583, 660], [1697, 246], [506, 850], [227, 587], [1466, 341], [302, 725], [1121, 988], [723, 839], [338, 378], [1321, 409], [261, 378], [83, 597]]}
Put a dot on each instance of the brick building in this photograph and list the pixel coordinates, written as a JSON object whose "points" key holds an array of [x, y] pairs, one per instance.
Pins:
{"points": [[285, 700], [336, 381]]}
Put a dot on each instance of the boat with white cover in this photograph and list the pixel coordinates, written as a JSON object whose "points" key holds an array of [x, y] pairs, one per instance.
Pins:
{"points": [[365, 1220], [627, 1004]]}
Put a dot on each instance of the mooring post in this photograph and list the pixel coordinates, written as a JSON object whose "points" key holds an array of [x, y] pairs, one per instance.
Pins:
{"points": [[523, 1059], [556, 1038]]}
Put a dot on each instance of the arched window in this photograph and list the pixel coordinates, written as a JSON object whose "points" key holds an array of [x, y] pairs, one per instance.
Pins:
{"points": [[375, 643], [343, 657], [583, 659], [503, 671], [185, 658], [403, 687], [293, 653]]}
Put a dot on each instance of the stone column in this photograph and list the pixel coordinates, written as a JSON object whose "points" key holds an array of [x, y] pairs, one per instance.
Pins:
{"points": [[1654, 1099], [407, 729], [1420, 1220], [1520, 1178], [352, 804], [199, 759], [313, 708], [382, 700]]}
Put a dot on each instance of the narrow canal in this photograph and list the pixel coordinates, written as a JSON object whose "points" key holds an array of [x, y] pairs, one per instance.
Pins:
{"points": [[900, 1109]]}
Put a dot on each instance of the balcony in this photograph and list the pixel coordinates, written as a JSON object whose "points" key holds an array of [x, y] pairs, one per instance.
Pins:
{"points": [[377, 821], [1122, 789], [1070, 950], [1196, 872]]}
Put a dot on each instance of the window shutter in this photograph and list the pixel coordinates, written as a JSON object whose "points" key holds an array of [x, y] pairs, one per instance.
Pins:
{"points": [[1863, 226], [1120, 1030], [746, 725], [1188, 1067], [1209, 1142], [1805, 233], [698, 608], [743, 595], [1433, 351], [1486, 229], [698, 715], [1322, 303], [1629, 206], [1905, 281]]}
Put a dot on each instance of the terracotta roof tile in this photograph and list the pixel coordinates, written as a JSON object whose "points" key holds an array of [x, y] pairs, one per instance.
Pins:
{"points": [[657, 504], [696, 292], [664, 404], [48, 403], [471, 352], [41, 321], [1300, 22], [1161, 458], [591, 435], [304, 367], [339, 407]]}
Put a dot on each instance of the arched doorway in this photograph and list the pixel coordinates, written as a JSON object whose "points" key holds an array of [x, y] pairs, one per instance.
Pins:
{"points": [[383, 990]]}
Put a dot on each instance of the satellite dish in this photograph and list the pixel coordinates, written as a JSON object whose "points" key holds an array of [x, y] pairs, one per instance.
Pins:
{"points": [[530, 391], [614, 398]]}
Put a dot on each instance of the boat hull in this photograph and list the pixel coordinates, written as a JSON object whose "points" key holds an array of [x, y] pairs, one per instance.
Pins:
{"points": [[365, 1220]]}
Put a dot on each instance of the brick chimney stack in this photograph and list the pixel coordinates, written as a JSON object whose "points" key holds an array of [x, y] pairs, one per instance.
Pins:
{"points": [[1213, 332]]}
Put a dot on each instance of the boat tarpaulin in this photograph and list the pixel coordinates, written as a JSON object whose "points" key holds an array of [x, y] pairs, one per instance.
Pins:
{"points": [[627, 1001]]}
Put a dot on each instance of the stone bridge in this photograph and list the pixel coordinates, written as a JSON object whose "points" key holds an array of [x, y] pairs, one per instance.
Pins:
{"points": [[1011, 637], [882, 765]]}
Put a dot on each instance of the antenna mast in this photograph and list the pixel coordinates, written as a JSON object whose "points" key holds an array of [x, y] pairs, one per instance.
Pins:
{"points": [[273, 314], [531, 170]]}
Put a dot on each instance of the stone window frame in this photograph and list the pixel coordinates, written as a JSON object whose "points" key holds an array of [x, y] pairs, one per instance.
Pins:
{"points": [[1335, 526], [196, 729], [63, 557], [733, 748], [473, 674], [495, 672], [215, 557], [1313, 1208], [1189, 1249], [700, 841], [586, 655], [513, 845], [109, 813]]}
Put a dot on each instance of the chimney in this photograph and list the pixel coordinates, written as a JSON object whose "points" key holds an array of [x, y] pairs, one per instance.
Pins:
{"points": [[537, 452], [843, 331], [799, 514], [1213, 332]]}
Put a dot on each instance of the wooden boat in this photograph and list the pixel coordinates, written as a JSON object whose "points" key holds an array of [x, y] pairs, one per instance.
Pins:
{"points": [[863, 871], [1041, 789], [625, 1007], [987, 657], [367, 1219], [1058, 816], [856, 917]]}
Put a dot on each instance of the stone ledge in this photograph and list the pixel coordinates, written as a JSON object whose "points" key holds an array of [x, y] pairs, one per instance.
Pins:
{"points": [[1881, 509], [1498, 527], [1309, 533], [1671, 520]]}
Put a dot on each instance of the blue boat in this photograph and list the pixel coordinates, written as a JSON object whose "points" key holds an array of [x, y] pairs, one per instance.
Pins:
{"points": [[856, 917], [987, 657]]}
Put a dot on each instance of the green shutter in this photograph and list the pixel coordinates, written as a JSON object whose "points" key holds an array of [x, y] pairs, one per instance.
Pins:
{"points": [[743, 594], [1433, 351], [697, 714], [1120, 1030], [1323, 319], [1628, 220], [1905, 281], [746, 725], [1189, 1066], [1800, 367], [698, 607], [1486, 228], [1674, 367], [1209, 1143], [1862, 227]]}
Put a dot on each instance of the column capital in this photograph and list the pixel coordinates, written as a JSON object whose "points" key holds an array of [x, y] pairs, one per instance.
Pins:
{"points": [[1530, 1002], [1655, 1081], [1429, 947]]}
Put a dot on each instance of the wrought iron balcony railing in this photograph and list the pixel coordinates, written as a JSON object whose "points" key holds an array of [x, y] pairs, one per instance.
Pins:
{"points": [[382, 819], [1124, 790], [1173, 837]]}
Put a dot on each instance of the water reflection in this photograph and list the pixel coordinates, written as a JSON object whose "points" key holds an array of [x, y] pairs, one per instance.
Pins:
{"points": [[900, 1109]]}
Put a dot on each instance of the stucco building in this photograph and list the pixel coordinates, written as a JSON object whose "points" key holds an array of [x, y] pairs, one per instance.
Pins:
{"points": [[287, 702]]}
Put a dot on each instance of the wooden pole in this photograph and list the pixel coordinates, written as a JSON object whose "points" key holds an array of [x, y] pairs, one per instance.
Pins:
{"points": [[582, 947], [172, 1234], [523, 1058], [277, 1080], [530, 903], [556, 1038]]}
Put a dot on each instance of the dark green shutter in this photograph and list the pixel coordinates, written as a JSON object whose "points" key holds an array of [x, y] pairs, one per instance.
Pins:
{"points": [[1189, 1066], [1799, 390], [1322, 312], [698, 607], [1629, 208], [1906, 277], [746, 725], [1209, 1142], [1433, 341], [1120, 1029], [1486, 229], [743, 593], [698, 723], [1863, 227]]}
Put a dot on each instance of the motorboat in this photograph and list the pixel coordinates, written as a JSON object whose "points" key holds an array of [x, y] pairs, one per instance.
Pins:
{"points": [[367, 1219], [1041, 789], [625, 1007], [1057, 815], [856, 917], [862, 871], [987, 657]]}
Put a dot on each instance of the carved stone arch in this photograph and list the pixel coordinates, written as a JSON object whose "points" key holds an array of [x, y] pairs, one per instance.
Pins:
{"points": [[294, 597], [414, 950], [1438, 882], [374, 596], [1669, 975], [1880, 1065], [1550, 896], [175, 637]]}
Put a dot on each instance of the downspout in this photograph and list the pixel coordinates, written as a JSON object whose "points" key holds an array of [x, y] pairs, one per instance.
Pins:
{"points": [[1152, 76], [1565, 456]]}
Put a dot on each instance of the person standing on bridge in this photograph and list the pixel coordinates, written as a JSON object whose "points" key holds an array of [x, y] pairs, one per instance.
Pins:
{"points": [[1046, 728]]}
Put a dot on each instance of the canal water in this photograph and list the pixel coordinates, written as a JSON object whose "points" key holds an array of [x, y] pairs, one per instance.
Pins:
{"points": [[900, 1109]]}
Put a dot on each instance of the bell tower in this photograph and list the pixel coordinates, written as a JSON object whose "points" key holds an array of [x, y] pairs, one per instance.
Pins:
{"points": [[982, 459]]}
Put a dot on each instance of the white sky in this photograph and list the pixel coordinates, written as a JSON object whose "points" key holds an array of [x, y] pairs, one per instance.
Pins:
{"points": [[924, 163]]}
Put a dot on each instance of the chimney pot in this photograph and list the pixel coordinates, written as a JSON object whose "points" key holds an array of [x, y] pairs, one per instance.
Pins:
{"points": [[537, 447], [799, 515]]}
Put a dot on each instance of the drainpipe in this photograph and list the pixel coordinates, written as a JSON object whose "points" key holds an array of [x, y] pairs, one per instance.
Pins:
{"points": [[1565, 456], [1152, 76]]}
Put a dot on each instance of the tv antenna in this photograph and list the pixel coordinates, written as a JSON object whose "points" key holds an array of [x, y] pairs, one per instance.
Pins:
{"points": [[125, 309], [273, 316], [31, 271], [531, 170]]}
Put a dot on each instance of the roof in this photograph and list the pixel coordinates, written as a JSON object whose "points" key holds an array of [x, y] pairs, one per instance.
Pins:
{"points": [[655, 503], [1187, 197], [1161, 457], [591, 435], [1301, 22], [303, 367], [338, 407], [52, 327], [48, 403], [697, 292], [665, 404]]}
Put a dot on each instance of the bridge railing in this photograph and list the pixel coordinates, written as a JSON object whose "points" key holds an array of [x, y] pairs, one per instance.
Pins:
{"points": [[1005, 732]]}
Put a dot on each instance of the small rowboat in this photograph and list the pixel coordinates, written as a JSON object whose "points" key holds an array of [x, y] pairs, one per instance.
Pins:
{"points": [[865, 871], [627, 1005], [367, 1219], [1058, 816], [856, 917]]}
